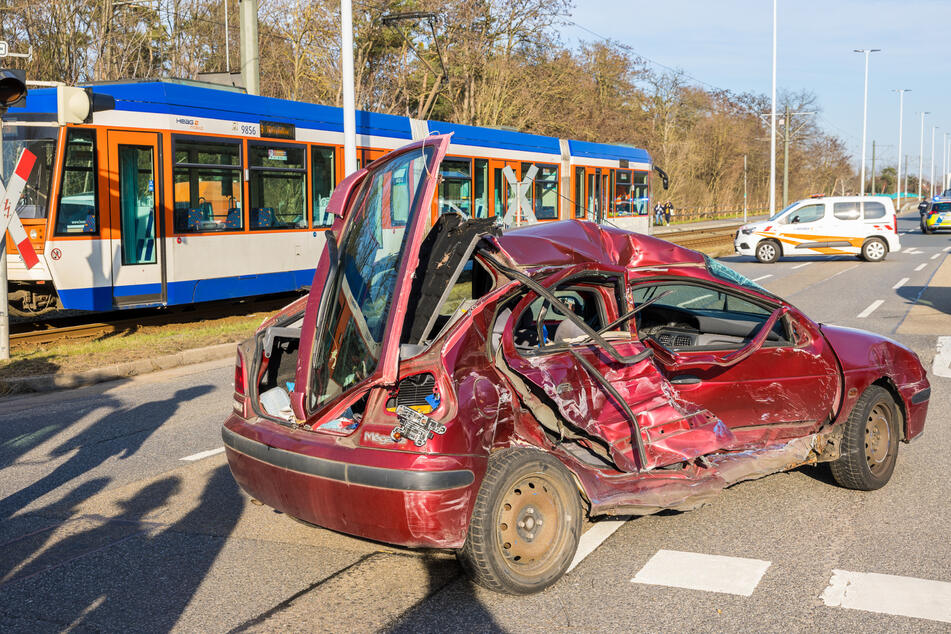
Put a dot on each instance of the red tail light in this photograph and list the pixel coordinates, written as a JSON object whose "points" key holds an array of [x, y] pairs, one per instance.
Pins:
{"points": [[239, 384]]}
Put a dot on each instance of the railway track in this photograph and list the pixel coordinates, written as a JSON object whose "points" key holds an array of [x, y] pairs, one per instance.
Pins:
{"points": [[75, 328]]}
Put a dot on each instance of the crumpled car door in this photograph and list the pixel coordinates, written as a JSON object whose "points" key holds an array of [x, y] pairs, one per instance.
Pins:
{"points": [[624, 412]]}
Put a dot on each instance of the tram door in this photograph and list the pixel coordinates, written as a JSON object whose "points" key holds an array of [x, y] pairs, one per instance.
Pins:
{"points": [[137, 226], [502, 193], [594, 196]]}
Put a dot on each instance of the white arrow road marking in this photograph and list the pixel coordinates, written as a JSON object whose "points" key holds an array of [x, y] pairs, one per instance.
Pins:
{"points": [[695, 571], [941, 366], [889, 594]]}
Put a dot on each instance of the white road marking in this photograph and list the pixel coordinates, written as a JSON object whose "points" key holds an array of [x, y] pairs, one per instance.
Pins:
{"points": [[799, 266], [946, 249], [594, 538], [920, 266], [889, 594], [908, 250], [871, 308], [203, 454], [941, 366], [900, 283], [695, 571], [761, 277], [935, 256]]}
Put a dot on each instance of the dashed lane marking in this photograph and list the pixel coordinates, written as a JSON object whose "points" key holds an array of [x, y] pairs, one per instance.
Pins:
{"points": [[935, 256], [203, 454], [920, 266], [941, 366], [761, 277], [871, 308], [946, 249], [900, 283], [593, 538], [696, 571], [889, 594], [799, 266]]}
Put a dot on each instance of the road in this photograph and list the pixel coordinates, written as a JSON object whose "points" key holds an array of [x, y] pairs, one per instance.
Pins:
{"points": [[118, 512]]}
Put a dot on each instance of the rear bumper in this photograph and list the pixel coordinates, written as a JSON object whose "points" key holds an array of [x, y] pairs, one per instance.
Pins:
{"points": [[396, 497]]}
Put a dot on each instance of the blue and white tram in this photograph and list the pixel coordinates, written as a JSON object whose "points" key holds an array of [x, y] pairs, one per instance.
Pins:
{"points": [[176, 192]]}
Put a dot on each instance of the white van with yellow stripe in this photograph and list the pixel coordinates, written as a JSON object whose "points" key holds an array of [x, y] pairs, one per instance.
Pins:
{"points": [[838, 225]]}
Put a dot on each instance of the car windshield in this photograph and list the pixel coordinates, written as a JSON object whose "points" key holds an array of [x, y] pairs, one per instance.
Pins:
{"points": [[348, 340], [718, 269], [41, 141], [780, 213]]}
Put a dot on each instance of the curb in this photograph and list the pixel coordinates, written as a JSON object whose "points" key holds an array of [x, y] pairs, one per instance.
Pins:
{"points": [[126, 369]]}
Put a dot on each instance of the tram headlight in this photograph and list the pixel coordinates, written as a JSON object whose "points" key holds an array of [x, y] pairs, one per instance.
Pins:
{"points": [[73, 104]]}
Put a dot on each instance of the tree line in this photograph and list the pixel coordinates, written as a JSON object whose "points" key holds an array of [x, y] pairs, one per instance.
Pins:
{"points": [[480, 62]]}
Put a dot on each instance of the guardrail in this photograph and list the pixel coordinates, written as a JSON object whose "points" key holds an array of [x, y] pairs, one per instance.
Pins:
{"points": [[700, 214]]}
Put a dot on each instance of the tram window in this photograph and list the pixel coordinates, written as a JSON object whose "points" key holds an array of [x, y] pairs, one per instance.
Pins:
{"points": [[207, 186], [455, 186], [579, 193], [639, 193], [623, 205], [545, 191], [480, 189], [41, 141], [323, 177], [278, 186], [77, 195]]}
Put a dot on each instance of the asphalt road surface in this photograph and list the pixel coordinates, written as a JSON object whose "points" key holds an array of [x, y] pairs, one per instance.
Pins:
{"points": [[118, 512]]}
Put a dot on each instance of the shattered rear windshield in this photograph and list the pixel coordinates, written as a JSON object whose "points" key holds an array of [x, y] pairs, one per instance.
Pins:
{"points": [[722, 271]]}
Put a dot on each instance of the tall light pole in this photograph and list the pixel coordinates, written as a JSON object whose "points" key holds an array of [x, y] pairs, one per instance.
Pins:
{"points": [[772, 125], [944, 162], [349, 109], [921, 151], [931, 178], [901, 110], [867, 51]]}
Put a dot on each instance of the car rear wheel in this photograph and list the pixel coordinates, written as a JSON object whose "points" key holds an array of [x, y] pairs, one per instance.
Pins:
{"points": [[869, 442], [525, 524], [767, 251], [874, 250]]}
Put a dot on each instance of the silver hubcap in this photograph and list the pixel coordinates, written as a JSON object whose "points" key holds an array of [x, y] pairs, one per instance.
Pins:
{"points": [[875, 250], [767, 252], [878, 437]]}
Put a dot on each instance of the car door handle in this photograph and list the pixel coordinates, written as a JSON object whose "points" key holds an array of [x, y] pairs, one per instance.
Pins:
{"points": [[685, 379]]}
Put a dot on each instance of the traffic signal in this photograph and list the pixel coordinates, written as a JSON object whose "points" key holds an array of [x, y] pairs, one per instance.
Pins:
{"points": [[12, 89], [73, 105]]}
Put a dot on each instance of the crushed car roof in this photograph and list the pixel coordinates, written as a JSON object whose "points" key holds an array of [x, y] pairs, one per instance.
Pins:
{"points": [[572, 242]]}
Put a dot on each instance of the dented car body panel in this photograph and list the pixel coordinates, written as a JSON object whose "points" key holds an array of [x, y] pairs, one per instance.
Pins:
{"points": [[654, 375]]}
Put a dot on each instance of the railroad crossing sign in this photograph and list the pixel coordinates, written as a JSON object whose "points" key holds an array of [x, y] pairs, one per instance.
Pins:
{"points": [[520, 206], [9, 220]]}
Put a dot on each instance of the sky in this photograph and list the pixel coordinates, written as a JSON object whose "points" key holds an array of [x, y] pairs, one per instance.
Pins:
{"points": [[728, 44]]}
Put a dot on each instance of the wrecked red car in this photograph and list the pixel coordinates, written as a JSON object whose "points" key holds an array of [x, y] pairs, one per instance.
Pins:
{"points": [[454, 385]]}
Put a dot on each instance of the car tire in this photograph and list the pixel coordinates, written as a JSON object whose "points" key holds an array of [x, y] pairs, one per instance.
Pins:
{"points": [[869, 442], [767, 251], [874, 250], [525, 525]]}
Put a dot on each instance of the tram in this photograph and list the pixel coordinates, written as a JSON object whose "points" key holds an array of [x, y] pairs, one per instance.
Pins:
{"points": [[176, 192]]}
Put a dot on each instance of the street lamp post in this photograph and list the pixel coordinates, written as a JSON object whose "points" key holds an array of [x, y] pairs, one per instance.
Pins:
{"points": [[901, 105], [944, 162], [867, 51], [931, 178], [772, 125], [921, 151]]}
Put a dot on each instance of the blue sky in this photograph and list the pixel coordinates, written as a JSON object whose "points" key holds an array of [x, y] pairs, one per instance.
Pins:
{"points": [[727, 43]]}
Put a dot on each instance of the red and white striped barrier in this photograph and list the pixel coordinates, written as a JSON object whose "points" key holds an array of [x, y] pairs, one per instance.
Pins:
{"points": [[9, 198]]}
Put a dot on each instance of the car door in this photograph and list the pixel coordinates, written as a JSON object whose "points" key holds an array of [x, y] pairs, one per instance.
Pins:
{"points": [[805, 229], [366, 281], [785, 387], [607, 394]]}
